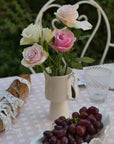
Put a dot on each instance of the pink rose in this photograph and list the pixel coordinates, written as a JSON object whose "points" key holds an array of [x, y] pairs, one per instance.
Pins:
{"points": [[34, 55], [68, 14], [64, 40]]}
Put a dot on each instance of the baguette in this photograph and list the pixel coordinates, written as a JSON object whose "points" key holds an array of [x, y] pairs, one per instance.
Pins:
{"points": [[19, 90]]}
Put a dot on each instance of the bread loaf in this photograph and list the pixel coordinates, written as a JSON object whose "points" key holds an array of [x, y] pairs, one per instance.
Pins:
{"points": [[18, 91]]}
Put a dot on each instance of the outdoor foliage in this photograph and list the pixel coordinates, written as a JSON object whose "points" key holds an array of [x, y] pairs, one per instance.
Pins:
{"points": [[15, 16]]}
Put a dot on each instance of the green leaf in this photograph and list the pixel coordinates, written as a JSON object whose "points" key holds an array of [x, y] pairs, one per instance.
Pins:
{"points": [[85, 60], [76, 65], [84, 37], [73, 54]]}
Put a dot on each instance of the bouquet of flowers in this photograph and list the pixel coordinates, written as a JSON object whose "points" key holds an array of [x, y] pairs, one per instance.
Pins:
{"points": [[53, 48]]}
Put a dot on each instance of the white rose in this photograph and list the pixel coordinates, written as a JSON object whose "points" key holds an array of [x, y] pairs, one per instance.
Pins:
{"points": [[25, 41], [68, 14], [31, 34], [34, 55], [47, 35]]}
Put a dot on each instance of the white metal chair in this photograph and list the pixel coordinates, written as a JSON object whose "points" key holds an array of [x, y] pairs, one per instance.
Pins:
{"points": [[100, 13]]}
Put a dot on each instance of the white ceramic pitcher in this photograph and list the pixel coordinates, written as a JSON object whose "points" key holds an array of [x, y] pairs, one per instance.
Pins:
{"points": [[58, 90]]}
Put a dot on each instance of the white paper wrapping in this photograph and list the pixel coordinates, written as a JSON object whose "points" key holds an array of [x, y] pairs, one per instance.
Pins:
{"points": [[6, 114]]}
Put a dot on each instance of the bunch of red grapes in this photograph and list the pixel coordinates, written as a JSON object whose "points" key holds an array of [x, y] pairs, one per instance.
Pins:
{"points": [[82, 127]]}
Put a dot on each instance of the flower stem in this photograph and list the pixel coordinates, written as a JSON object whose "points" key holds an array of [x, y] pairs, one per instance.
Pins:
{"points": [[66, 69], [51, 59], [59, 64], [44, 69]]}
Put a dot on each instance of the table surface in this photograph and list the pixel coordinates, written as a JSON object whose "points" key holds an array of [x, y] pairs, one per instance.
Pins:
{"points": [[33, 117]]}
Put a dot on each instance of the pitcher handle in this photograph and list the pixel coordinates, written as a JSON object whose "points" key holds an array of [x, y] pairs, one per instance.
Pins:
{"points": [[74, 88]]}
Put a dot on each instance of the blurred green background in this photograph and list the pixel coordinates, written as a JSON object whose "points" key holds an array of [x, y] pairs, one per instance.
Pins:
{"points": [[18, 14]]}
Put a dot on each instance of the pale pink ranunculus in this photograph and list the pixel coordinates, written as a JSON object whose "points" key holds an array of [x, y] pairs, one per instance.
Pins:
{"points": [[68, 14], [34, 55], [64, 40]]}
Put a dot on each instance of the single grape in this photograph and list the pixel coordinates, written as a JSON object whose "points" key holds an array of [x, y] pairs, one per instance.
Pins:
{"points": [[83, 109], [58, 127], [79, 140], [84, 122], [83, 115], [80, 130], [75, 115], [101, 125], [62, 118], [92, 110], [72, 129], [61, 133], [92, 119], [97, 125], [48, 134], [53, 140], [91, 129], [98, 116], [59, 121], [64, 140]]}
